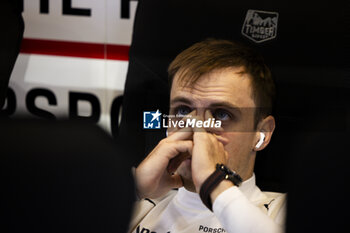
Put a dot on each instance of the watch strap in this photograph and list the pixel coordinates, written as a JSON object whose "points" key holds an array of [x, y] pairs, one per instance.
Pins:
{"points": [[221, 173]]}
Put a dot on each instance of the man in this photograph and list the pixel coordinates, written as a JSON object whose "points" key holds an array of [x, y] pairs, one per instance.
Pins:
{"points": [[226, 81]]}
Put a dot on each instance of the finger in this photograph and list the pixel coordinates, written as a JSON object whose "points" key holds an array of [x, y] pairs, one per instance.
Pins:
{"points": [[183, 151], [181, 134], [212, 129], [215, 130], [173, 130], [179, 147], [198, 129], [207, 114], [212, 138]]}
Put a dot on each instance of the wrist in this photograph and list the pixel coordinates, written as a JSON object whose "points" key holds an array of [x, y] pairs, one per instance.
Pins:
{"points": [[222, 186], [214, 184]]}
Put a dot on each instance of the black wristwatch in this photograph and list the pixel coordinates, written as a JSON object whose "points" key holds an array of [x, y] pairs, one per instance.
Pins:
{"points": [[221, 173]]}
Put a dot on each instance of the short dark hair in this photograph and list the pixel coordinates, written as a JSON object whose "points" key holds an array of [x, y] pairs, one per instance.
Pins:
{"points": [[214, 54]]}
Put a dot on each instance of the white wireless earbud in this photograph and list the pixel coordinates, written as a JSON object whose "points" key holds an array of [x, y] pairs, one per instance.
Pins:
{"points": [[261, 140]]}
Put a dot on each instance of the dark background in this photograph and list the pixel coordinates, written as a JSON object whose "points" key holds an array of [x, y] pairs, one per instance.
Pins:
{"points": [[62, 176], [308, 58], [12, 27]]}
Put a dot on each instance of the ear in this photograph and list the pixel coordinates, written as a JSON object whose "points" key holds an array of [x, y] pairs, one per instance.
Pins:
{"points": [[266, 126]]}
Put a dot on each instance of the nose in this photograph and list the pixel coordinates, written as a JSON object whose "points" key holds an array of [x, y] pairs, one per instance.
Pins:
{"points": [[203, 113], [206, 114]]}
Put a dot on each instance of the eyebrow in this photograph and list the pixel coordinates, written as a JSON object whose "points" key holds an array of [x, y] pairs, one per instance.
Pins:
{"points": [[224, 104], [181, 100]]}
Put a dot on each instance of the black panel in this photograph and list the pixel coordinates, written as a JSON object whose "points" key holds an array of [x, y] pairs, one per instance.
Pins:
{"points": [[62, 176]]}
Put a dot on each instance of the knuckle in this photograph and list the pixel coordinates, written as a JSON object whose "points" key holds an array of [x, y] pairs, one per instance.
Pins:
{"points": [[164, 142], [161, 142]]}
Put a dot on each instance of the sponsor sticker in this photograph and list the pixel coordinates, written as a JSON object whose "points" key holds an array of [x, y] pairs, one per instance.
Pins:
{"points": [[260, 26]]}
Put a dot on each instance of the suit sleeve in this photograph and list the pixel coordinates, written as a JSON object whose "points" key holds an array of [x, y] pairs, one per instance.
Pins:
{"points": [[237, 214]]}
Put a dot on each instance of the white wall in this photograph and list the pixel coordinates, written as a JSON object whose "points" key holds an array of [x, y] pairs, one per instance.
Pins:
{"points": [[83, 65]]}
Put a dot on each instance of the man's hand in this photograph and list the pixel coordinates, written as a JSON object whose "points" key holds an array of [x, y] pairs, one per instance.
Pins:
{"points": [[208, 150], [155, 175]]}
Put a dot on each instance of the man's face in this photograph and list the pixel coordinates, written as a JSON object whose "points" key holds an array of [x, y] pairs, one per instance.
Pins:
{"points": [[226, 95]]}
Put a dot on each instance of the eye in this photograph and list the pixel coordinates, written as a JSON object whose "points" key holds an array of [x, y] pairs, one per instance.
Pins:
{"points": [[182, 110], [222, 115]]}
